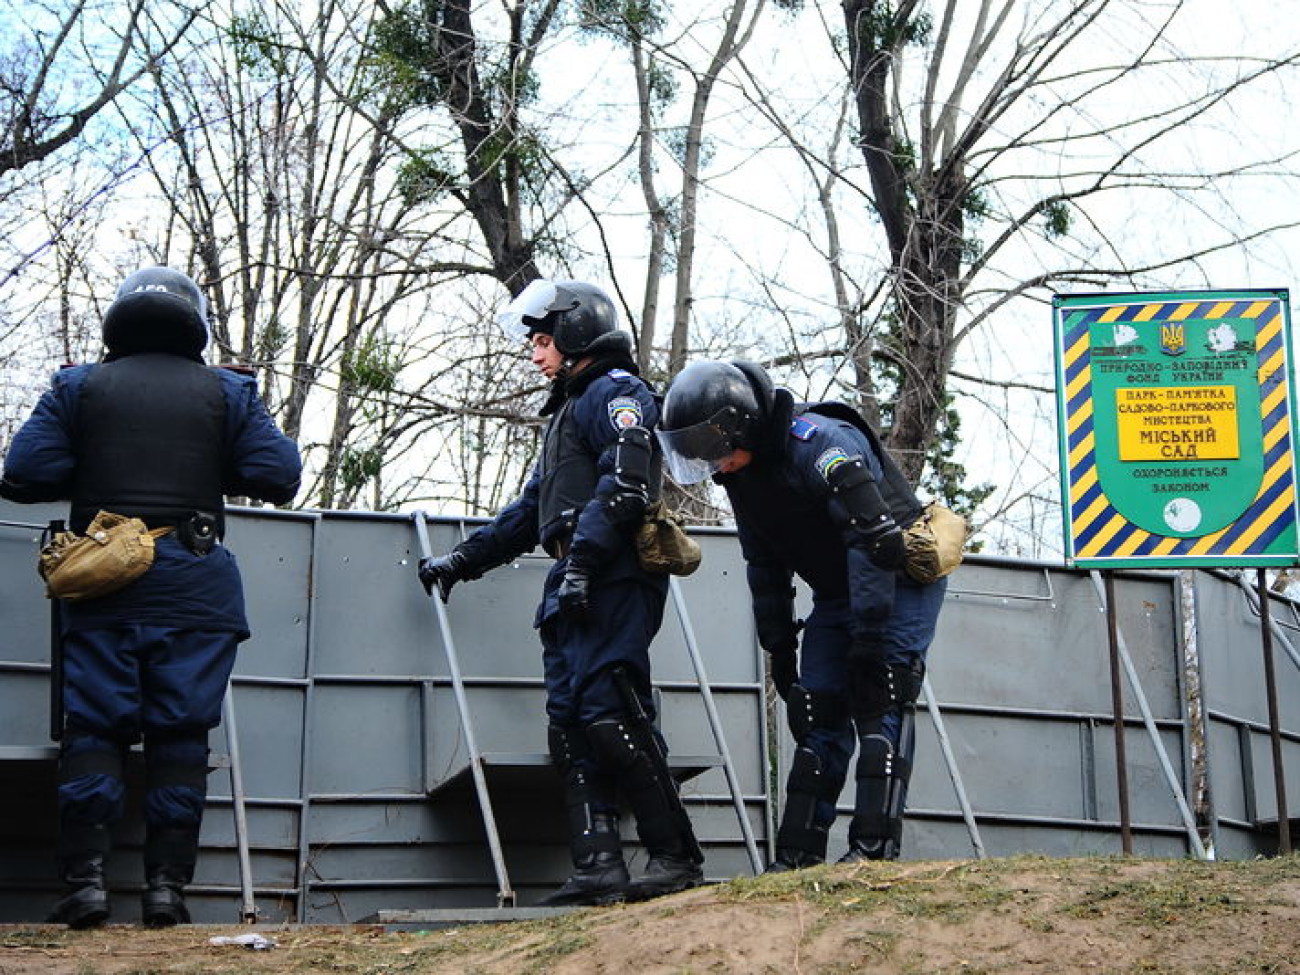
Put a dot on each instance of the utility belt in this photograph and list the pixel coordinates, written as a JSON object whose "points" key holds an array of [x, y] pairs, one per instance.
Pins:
{"points": [[198, 531], [114, 551]]}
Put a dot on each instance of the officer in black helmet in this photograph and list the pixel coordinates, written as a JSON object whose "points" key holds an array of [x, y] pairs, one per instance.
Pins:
{"points": [[599, 468], [150, 432], [815, 494]]}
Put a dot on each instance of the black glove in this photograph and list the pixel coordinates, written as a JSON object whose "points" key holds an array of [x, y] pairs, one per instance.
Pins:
{"points": [[887, 546], [783, 663], [445, 572], [575, 601], [777, 632]]}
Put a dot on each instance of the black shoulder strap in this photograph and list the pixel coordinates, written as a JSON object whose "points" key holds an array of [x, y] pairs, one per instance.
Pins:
{"points": [[842, 411]]}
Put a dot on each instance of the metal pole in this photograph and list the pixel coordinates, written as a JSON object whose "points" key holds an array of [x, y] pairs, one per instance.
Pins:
{"points": [[247, 905], [1117, 706], [715, 723], [1279, 635], [56, 647], [1274, 719], [505, 895], [1185, 810], [950, 760]]}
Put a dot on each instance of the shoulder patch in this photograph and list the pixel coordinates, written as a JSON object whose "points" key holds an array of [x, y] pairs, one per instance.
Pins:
{"points": [[829, 460], [624, 411], [619, 374], [802, 428]]}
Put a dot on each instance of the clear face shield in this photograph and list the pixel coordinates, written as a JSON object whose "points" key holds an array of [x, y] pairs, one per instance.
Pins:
{"points": [[693, 453], [535, 302]]}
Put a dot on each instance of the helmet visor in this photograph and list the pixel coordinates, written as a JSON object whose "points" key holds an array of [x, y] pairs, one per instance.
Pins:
{"points": [[520, 318], [695, 452]]}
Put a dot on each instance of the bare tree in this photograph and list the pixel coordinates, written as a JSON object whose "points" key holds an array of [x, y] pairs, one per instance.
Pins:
{"points": [[999, 136], [661, 70], [482, 88], [274, 141], [52, 85], [359, 187]]}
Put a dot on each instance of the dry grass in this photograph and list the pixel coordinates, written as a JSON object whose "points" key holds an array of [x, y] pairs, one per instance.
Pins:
{"points": [[1006, 916]]}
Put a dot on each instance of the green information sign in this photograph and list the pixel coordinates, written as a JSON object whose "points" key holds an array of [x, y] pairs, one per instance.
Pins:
{"points": [[1176, 429]]}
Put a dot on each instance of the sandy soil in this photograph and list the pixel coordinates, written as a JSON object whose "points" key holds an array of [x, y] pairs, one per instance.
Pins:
{"points": [[1017, 915]]}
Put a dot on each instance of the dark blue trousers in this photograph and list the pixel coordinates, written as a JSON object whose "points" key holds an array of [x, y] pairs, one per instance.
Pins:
{"points": [[160, 685], [823, 668]]}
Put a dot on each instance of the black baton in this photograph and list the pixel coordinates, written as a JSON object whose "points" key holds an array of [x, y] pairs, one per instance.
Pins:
{"points": [[56, 648]]}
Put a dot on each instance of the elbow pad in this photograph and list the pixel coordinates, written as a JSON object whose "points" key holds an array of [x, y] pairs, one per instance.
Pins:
{"points": [[633, 464], [871, 524]]}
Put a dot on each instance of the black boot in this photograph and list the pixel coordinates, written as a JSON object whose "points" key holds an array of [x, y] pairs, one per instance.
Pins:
{"points": [[162, 904], [788, 859], [666, 873], [601, 875], [800, 839], [861, 849], [85, 902], [170, 854]]}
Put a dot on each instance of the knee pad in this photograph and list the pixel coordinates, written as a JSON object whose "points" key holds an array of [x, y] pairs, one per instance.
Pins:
{"points": [[879, 687], [620, 746], [176, 779], [83, 755], [573, 759], [631, 754], [568, 747], [806, 710], [92, 787], [910, 678]]}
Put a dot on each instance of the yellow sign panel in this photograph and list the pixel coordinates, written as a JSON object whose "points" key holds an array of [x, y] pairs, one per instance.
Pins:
{"points": [[1177, 423]]}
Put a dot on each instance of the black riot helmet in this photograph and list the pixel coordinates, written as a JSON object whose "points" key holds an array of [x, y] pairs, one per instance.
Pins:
{"points": [[712, 409], [157, 309], [580, 317]]}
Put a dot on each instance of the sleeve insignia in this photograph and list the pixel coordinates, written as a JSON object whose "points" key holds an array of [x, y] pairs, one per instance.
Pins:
{"points": [[829, 460], [625, 412]]}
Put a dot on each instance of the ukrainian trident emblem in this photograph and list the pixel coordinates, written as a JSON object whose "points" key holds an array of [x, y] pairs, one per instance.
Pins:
{"points": [[1173, 338]]}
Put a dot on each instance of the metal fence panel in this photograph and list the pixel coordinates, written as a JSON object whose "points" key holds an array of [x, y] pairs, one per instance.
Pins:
{"points": [[355, 774], [1242, 792]]}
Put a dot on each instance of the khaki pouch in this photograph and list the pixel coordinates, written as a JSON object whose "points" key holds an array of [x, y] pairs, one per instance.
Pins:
{"points": [[662, 544], [114, 551], [934, 543]]}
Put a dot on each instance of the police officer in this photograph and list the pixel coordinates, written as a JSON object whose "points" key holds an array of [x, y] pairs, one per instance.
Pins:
{"points": [[815, 495], [598, 470], [150, 432]]}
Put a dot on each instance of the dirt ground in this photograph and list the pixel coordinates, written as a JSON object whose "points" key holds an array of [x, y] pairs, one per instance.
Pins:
{"points": [[1103, 916]]}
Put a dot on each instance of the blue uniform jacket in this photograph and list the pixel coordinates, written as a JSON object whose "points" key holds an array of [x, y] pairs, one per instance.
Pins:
{"points": [[595, 416], [789, 523], [180, 589]]}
